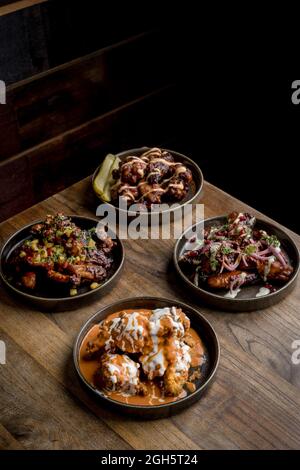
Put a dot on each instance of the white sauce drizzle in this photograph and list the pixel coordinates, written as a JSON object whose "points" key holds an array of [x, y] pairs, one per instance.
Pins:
{"points": [[193, 246], [268, 265], [263, 291], [232, 294]]}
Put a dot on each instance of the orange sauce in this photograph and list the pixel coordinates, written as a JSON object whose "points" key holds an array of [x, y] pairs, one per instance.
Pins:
{"points": [[89, 366]]}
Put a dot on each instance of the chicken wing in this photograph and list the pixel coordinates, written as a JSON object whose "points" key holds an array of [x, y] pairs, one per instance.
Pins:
{"points": [[29, 280], [176, 374], [274, 271], [224, 280], [119, 373], [131, 332]]}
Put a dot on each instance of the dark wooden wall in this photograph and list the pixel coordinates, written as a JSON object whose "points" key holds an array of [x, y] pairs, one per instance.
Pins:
{"points": [[87, 80], [113, 89]]}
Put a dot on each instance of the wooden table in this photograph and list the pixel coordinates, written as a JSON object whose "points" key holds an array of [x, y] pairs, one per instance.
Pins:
{"points": [[253, 404]]}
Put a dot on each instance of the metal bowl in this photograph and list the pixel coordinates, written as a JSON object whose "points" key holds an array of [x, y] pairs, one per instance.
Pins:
{"points": [[51, 298], [246, 299], [193, 193], [198, 322]]}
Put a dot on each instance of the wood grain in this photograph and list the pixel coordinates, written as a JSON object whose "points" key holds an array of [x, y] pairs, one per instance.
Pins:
{"points": [[46, 168], [12, 6], [66, 96], [253, 404]]}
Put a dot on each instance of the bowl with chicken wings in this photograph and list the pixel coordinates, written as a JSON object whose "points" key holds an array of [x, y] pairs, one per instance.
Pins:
{"points": [[237, 262], [61, 261], [147, 356], [144, 180]]}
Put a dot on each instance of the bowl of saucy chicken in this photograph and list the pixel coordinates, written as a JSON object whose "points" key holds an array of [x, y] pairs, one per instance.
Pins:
{"points": [[143, 179], [147, 356], [237, 262], [61, 261]]}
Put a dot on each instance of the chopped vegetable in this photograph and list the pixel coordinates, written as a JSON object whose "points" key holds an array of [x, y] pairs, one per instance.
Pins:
{"points": [[94, 285]]}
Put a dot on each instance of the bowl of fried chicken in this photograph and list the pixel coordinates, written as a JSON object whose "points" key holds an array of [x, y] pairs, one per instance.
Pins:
{"points": [[147, 356], [147, 180]]}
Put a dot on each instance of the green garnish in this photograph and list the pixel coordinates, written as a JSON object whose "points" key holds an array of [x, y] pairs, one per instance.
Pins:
{"points": [[226, 250], [250, 249], [214, 264], [271, 240]]}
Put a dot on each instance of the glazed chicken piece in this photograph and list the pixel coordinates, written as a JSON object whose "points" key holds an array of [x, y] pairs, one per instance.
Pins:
{"points": [[189, 340], [58, 277], [176, 190], [183, 173], [119, 373], [177, 372], [74, 246], [125, 191], [131, 332], [102, 341], [133, 170], [155, 362], [78, 273], [160, 167], [150, 194], [29, 280], [88, 271], [177, 187], [224, 280], [274, 271], [168, 321], [166, 326]]}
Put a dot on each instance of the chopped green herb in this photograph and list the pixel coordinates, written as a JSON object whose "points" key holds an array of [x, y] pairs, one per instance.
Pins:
{"points": [[214, 264], [226, 250], [271, 240], [250, 249]]}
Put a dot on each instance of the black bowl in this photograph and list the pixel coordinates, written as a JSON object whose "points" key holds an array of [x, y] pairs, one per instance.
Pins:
{"points": [[246, 299], [198, 322], [191, 197], [51, 297]]}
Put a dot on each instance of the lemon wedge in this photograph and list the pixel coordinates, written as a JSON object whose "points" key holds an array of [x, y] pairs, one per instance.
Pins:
{"points": [[104, 180]]}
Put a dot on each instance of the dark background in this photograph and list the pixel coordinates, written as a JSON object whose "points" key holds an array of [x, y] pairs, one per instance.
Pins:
{"points": [[223, 105]]}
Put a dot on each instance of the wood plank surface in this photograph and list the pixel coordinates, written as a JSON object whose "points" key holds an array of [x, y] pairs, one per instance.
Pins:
{"points": [[253, 404], [12, 7]]}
